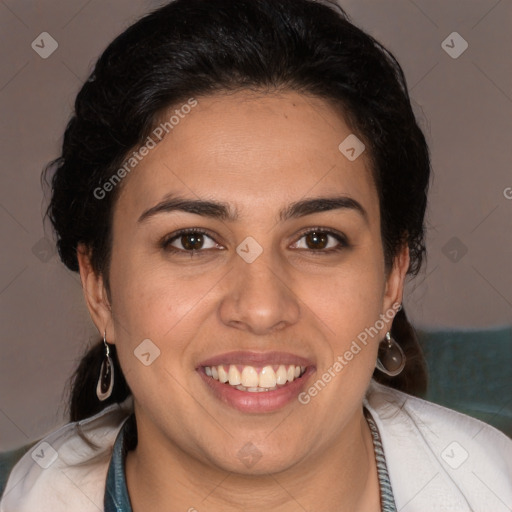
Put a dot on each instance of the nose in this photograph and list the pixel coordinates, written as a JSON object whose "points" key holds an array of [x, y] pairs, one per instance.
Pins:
{"points": [[258, 298]]}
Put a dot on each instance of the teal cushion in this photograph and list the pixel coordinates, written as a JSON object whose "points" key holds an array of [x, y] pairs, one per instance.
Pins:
{"points": [[471, 371]]}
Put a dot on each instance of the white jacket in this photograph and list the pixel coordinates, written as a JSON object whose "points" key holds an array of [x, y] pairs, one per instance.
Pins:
{"points": [[438, 460]]}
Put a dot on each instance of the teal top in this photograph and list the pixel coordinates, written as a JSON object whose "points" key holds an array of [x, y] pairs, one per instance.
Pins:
{"points": [[116, 492]]}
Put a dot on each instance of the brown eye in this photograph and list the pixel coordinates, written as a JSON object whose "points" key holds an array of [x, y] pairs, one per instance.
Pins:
{"points": [[322, 241], [192, 241], [317, 240]]}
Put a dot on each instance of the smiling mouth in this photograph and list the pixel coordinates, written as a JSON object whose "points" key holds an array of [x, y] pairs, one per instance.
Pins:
{"points": [[255, 379]]}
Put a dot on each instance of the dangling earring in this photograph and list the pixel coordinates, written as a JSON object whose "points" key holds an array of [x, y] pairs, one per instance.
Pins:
{"points": [[106, 379], [391, 359]]}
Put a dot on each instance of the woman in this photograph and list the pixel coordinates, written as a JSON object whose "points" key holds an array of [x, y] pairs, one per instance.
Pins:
{"points": [[242, 189]]}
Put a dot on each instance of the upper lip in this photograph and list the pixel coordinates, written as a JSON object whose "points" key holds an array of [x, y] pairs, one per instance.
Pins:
{"points": [[250, 358]]}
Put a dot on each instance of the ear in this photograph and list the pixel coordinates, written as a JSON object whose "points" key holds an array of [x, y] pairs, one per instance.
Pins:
{"points": [[95, 294], [396, 279]]}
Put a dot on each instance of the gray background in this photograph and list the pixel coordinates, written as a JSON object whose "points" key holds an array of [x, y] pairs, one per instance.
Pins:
{"points": [[464, 106]]}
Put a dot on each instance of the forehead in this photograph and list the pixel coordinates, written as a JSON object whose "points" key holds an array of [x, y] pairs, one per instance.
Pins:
{"points": [[251, 150]]}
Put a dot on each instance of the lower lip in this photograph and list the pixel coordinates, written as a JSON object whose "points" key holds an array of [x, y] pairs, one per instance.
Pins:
{"points": [[257, 402]]}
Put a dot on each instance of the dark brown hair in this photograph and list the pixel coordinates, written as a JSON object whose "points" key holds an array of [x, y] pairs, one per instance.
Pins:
{"points": [[193, 48]]}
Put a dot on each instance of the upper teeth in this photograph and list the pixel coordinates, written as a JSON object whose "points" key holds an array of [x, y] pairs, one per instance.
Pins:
{"points": [[251, 377]]}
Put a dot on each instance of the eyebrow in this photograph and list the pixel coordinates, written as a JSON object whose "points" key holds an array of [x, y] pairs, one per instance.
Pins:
{"points": [[223, 211]]}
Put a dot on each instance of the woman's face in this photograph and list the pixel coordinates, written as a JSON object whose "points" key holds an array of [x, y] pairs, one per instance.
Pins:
{"points": [[249, 290]]}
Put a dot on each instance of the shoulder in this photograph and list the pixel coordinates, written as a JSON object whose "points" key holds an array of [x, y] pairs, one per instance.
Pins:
{"points": [[390, 402], [69, 465], [438, 457], [8, 460]]}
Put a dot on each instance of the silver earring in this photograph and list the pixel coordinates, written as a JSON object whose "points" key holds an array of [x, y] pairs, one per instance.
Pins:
{"points": [[106, 379], [391, 359]]}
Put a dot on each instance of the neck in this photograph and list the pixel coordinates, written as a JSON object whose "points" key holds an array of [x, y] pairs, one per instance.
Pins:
{"points": [[341, 478]]}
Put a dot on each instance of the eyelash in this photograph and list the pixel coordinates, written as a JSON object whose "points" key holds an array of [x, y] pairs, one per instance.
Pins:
{"points": [[166, 241]]}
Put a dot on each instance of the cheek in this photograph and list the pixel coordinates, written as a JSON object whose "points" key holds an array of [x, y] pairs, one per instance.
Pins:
{"points": [[352, 295], [152, 309], [151, 302], [349, 303], [348, 358]]}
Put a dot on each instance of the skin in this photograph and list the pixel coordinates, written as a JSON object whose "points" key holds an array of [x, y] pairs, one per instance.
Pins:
{"points": [[259, 153]]}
